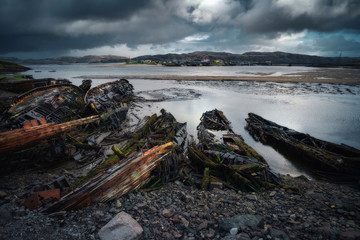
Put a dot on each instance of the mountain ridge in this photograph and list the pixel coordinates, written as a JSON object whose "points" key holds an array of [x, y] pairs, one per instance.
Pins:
{"points": [[277, 57]]}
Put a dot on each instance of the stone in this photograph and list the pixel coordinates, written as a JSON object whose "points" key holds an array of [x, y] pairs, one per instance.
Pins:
{"points": [[241, 221], [251, 197], [241, 236], [272, 194], [167, 213], [118, 204], [5, 214], [121, 227], [218, 185], [2, 194], [185, 222], [350, 235], [234, 231], [278, 234], [203, 225]]}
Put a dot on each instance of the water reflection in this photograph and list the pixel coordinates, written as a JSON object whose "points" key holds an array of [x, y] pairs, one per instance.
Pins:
{"points": [[332, 118]]}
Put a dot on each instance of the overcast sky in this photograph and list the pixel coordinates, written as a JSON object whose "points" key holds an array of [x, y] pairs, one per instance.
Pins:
{"points": [[51, 28]]}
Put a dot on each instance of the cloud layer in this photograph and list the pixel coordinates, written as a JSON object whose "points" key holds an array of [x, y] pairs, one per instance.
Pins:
{"points": [[63, 27]]}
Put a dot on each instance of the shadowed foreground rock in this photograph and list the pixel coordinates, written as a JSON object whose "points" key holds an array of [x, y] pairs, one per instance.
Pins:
{"points": [[121, 227]]}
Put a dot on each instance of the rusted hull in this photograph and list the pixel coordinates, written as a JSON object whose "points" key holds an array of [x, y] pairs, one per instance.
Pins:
{"points": [[22, 137], [120, 179]]}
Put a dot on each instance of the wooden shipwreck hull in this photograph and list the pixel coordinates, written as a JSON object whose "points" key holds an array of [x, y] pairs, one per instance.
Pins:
{"points": [[229, 159], [332, 161], [150, 156], [120, 179], [55, 103], [109, 95], [34, 132]]}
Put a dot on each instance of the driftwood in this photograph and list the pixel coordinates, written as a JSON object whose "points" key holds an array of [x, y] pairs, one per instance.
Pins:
{"points": [[231, 160], [331, 161]]}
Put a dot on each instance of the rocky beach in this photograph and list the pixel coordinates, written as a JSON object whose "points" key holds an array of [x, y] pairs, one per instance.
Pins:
{"points": [[212, 186], [176, 211]]}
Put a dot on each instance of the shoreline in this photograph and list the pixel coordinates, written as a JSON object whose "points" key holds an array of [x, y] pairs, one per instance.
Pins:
{"points": [[303, 77]]}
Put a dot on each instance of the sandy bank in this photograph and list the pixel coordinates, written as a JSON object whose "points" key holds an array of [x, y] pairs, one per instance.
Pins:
{"points": [[333, 76], [127, 65]]}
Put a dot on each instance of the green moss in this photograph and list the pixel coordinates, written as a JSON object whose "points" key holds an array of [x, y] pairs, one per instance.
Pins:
{"points": [[292, 188], [250, 168], [206, 180], [15, 77]]}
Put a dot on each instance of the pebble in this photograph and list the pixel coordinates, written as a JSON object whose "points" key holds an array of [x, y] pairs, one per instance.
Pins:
{"points": [[234, 231], [118, 204]]}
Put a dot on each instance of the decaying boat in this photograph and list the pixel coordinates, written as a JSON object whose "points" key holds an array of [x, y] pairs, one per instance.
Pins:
{"points": [[39, 118], [109, 95], [332, 161], [231, 159], [149, 157], [55, 103]]}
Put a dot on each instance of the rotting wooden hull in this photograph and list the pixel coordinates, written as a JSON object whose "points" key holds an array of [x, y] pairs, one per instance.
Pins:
{"points": [[331, 161], [25, 136], [55, 103], [125, 176], [229, 159], [108, 95]]}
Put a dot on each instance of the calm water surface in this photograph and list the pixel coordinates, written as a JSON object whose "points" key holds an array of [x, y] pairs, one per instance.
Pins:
{"points": [[329, 112]]}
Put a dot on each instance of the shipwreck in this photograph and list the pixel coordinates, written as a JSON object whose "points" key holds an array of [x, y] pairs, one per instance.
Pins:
{"points": [[336, 162]]}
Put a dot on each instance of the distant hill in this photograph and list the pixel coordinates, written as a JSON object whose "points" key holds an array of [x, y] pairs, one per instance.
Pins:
{"points": [[276, 58], [8, 67], [70, 60], [253, 57]]}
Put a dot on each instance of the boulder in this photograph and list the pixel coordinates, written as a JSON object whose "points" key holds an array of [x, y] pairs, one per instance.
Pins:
{"points": [[122, 226]]}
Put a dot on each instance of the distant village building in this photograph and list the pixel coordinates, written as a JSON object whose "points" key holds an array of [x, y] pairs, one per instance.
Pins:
{"points": [[147, 61]]}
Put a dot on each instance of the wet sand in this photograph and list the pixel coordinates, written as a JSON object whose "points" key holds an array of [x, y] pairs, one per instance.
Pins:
{"points": [[332, 76]]}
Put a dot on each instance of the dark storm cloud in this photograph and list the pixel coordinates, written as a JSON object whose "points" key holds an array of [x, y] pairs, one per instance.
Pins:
{"points": [[60, 25]]}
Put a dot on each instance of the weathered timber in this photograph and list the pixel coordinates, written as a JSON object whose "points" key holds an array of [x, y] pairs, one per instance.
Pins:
{"points": [[215, 120], [86, 85], [123, 177], [231, 160], [22, 137], [157, 130], [328, 160]]}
